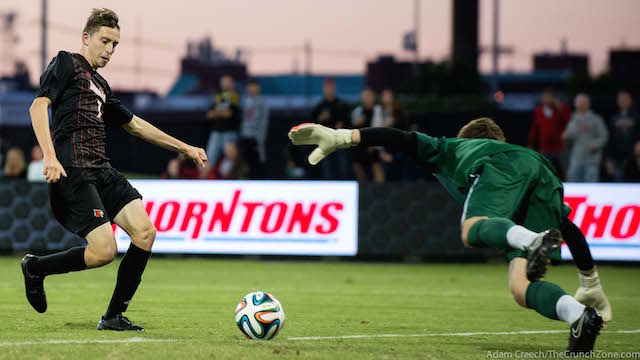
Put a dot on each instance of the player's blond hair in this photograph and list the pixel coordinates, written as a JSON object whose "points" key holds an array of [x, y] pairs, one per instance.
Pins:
{"points": [[99, 18], [482, 128]]}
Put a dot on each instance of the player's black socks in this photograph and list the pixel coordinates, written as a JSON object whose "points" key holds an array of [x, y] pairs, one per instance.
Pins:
{"points": [[129, 277], [577, 245], [58, 263]]}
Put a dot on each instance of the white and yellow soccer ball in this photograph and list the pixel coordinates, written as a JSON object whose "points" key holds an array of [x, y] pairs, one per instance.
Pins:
{"points": [[259, 315]]}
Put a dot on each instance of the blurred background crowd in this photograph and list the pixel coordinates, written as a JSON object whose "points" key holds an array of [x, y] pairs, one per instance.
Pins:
{"points": [[579, 115]]}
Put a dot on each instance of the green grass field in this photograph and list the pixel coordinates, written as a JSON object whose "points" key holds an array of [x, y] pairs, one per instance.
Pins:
{"points": [[187, 307]]}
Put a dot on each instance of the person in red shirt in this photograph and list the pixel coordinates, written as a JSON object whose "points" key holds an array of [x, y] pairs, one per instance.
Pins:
{"points": [[550, 118]]}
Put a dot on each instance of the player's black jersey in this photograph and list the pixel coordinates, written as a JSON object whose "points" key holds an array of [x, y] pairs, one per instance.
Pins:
{"points": [[82, 104]]}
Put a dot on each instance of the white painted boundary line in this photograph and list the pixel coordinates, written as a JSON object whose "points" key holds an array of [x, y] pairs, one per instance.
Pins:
{"points": [[479, 333], [107, 341], [345, 337]]}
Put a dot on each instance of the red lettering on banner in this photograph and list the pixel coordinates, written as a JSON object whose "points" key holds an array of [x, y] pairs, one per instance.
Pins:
{"points": [[333, 222], [278, 216], [175, 207], [264, 226], [195, 210], [302, 218], [600, 221], [574, 202], [251, 207], [219, 215], [616, 231], [148, 207]]}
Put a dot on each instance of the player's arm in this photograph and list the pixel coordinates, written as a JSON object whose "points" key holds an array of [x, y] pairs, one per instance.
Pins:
{"points": [[39, 112], [52, 84], [328, 140], [144, 130]]}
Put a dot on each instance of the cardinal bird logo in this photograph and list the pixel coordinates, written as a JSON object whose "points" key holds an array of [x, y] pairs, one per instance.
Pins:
{"points": [[98, 213]]}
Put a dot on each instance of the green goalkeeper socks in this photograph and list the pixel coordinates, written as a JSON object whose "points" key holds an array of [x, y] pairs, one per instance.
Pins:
{"points": [[543, 297], [490, 233]]}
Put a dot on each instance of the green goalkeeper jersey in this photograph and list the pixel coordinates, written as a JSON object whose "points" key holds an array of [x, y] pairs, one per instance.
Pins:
{"points": [[456, 159]]}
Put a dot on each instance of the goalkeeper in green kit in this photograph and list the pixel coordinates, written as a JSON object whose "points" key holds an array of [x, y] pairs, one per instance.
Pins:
{"points": [[513, 200]]}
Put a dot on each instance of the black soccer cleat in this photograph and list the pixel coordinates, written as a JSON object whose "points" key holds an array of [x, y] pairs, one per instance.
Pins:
{"points": [[118, 323], [583, 332], [538, 253], [34, 286]]}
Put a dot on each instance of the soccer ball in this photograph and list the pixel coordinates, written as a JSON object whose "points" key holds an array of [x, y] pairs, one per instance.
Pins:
{"points": [[259, 315]]}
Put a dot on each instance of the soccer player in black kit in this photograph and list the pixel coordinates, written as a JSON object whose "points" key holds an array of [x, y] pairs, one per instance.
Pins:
{"points": [[86, 193]]}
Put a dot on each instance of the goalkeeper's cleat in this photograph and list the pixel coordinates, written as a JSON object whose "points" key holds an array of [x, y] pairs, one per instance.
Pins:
{"points": [[538, 253], [584, 331], [590, 293], [327, 139]]}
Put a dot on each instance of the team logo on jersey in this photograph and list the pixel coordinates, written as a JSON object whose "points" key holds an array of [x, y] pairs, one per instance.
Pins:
{"points": [[98, 213]]}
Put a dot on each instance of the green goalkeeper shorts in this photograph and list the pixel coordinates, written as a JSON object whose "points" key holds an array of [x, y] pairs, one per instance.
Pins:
{"points": [[517, 186]]}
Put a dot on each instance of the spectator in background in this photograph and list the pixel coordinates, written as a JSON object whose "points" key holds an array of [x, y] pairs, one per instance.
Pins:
{"points": [[550, 119], [633, 165], [586, 136], [224, 119], [367, 114], [231, 166], [255, 124], [332, 112], [624, 128], [393, 115], [35, 171], [4, 147], [177, 168], [173, 170], [14, 164]]}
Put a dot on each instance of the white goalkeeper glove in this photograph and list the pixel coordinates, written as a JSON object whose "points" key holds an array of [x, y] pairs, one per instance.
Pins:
{"points": [[590, 293], [327, 139]]}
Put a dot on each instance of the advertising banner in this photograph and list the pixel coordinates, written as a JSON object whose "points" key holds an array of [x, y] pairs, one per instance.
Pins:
{"points": [[250, 217], [609, 216]]}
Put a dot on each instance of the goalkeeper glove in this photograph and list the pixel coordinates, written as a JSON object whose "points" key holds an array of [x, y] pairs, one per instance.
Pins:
{"points": [[327, 139]]}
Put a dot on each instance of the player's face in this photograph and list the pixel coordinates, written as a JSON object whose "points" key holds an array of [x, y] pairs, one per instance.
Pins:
{"points": [[101, 45]]}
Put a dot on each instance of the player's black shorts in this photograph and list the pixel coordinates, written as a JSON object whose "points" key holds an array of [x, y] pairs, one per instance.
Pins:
{"points": [[89, 197]]}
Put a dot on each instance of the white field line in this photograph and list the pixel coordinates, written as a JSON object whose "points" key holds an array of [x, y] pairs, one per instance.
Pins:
{"points": [[479, 333], [345, 337], [96, 341]]}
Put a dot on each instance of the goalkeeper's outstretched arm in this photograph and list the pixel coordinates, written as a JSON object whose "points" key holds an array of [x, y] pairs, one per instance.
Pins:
{"points": [[328, 140], [392, 139]]}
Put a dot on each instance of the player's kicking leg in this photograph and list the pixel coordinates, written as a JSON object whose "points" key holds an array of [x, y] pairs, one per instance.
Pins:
{"points": [[551, 301], [590, 291], [133, 219], [100, 251]]}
